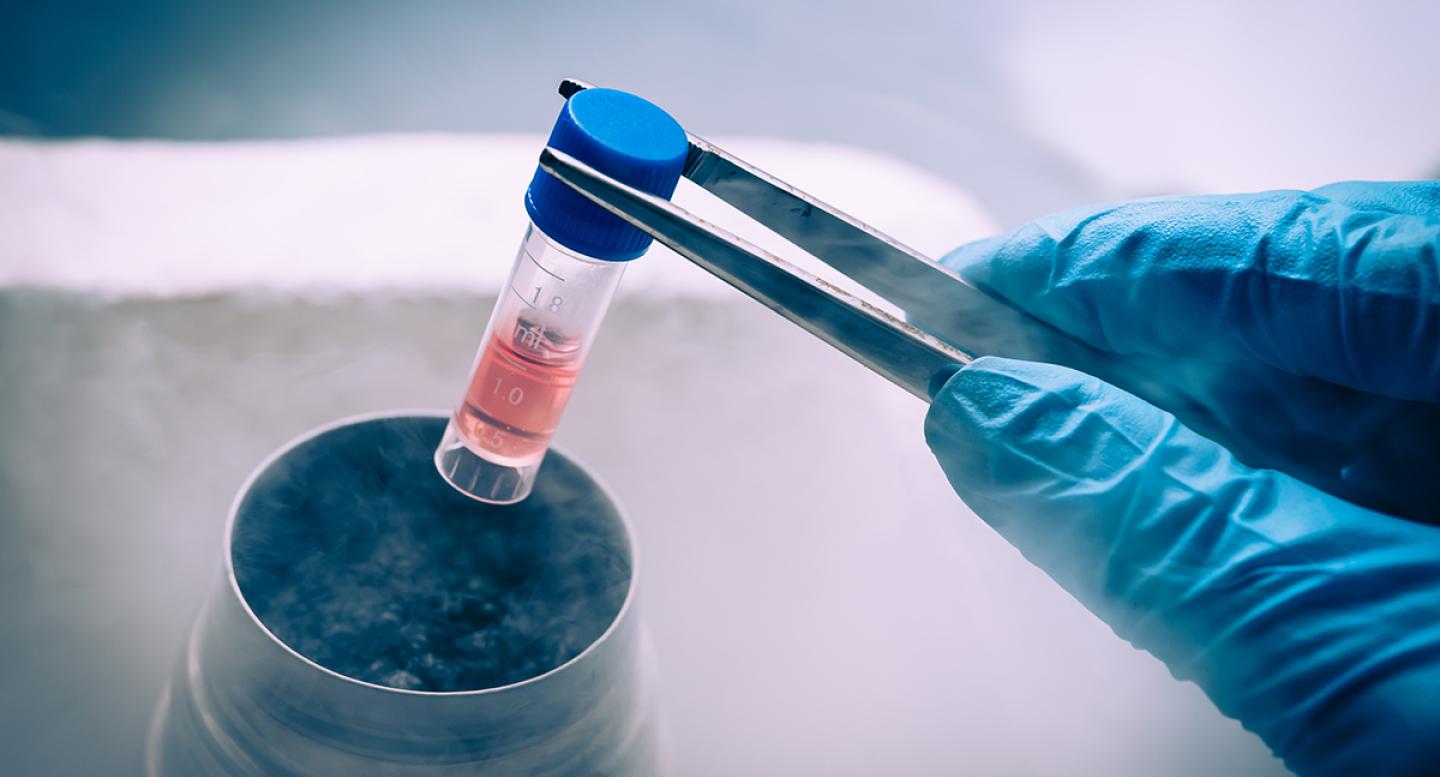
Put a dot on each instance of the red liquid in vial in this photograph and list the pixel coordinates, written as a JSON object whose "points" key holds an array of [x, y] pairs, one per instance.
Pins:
{"points": [[517, 394]]}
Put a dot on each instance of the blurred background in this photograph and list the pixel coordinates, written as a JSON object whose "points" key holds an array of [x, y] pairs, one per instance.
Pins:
{"points": [[224, 223], [1031, 105]]}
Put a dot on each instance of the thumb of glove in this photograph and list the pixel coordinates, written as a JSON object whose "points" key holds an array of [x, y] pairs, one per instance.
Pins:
{"points": [[1314, 622]]}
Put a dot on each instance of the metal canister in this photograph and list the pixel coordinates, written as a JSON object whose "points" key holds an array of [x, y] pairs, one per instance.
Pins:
{"points": [[244, 702]]}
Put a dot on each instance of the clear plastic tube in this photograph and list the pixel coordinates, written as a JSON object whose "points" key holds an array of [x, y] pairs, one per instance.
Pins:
{"points": [[529, 360], [557, 295]]}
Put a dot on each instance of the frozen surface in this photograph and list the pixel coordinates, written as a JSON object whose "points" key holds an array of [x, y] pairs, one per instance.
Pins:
{"points": [[354, 552], [821, 603]]}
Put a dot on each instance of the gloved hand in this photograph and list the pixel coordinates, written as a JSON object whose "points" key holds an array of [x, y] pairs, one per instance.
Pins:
{"points": [[1313, 621]]}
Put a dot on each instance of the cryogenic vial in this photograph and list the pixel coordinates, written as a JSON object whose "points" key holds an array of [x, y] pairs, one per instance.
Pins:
{"points": [[569, 264]]}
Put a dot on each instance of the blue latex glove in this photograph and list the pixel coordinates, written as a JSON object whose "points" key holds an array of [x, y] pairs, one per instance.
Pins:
{"points": [[1312, 620]]}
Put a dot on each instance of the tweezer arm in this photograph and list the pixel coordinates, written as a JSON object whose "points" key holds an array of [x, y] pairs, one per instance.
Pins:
{"points": [[933, 297], [876, 260], [880, 263], [907, 356]]}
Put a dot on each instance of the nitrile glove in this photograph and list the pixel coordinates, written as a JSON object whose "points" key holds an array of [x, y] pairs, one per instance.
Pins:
{"points": [[1312, 620]]}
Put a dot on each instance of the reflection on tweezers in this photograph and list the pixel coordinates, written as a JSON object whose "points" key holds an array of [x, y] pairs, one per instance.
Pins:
{"points": [[934, 299], [899, 351]]}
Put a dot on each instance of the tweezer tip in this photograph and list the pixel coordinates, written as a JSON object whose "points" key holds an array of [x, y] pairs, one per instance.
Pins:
{"points": [[569, 86]]}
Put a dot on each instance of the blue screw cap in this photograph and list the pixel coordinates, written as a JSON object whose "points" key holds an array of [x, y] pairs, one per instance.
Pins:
{"points": [[629, 139]]}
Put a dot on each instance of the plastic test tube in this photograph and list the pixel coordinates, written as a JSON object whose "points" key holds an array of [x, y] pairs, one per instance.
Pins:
{"points": [[569, 264]]}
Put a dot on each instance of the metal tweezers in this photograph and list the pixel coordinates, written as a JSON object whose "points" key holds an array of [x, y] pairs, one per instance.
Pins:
{"points": [[947, 321]]}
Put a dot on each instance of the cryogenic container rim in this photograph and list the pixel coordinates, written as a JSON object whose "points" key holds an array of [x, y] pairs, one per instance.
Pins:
{"points": [[329, 426]]}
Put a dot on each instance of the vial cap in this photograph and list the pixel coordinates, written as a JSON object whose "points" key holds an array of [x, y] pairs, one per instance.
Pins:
{"points": [[629, 139]]}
